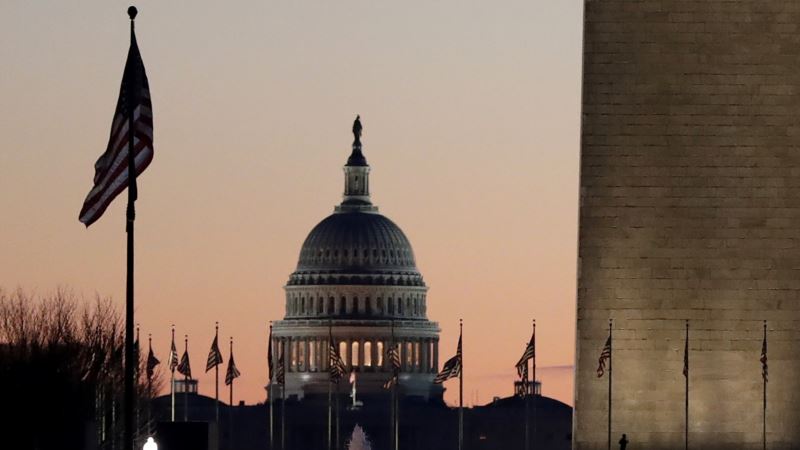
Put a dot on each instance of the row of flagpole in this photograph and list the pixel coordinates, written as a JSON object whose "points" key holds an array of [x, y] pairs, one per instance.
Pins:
{"points": [[128, 153], [606, 355]]}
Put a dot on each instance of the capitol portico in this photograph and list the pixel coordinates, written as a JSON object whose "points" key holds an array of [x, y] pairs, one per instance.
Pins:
{"points": [[357, 280]]}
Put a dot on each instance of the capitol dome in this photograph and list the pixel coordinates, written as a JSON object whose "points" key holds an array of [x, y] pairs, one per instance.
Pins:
{"points": [[356, 247], [357, 282]]}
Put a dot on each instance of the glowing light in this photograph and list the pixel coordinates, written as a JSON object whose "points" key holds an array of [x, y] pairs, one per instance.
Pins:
{"points": [[150, 444]]}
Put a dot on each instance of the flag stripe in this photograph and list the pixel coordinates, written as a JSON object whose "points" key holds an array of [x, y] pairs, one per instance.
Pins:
{"points": [[111, 168]]}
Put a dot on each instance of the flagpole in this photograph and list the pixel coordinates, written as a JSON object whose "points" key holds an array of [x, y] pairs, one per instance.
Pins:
{"points": [[338, 394], [230, 396], [149, 383], [186, 381], [271, 363], [396, 401], [130, 217], [137, 402], [283, 398], [764, 378], [461, 391], [330, 388], [534, 384], [686, 399], [216, 374], [172, 371], [610, 376], [230, 402]]}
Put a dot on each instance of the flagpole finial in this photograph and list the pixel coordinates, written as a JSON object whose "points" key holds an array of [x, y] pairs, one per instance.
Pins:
{"points": [[132, 11]]}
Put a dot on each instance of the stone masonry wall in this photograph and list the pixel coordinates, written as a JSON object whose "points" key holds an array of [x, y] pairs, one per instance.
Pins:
{"points": [[690, 209]]}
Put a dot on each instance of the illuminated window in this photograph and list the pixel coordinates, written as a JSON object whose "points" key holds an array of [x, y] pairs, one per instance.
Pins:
{"points": [[312, 356], [380, 354], [409, 354], [293, 354], [416, 354], [368, 354], [343, 351], [301, 357], [354, 355]]}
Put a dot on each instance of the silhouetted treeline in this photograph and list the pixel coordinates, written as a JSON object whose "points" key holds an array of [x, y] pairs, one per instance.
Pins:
{"points": [[61, 372]]}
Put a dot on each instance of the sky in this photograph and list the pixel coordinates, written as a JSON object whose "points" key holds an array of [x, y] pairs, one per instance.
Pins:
{"points": [[471, 114]]}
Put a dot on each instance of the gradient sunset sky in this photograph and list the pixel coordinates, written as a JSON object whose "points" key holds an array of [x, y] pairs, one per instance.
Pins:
{"points": [[471, 126]]}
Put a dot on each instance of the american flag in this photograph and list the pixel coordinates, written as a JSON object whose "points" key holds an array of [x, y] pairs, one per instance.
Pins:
{"points": [[523, 390], [214, 356], [152, 362], [530, 353], [270, 365], [393, 354], [686, 354], [763, 359], [451, 368], [232, 371], [280, 373], [604, 356], [111, 169], [184, 367], [173, 355], [337, 367]]}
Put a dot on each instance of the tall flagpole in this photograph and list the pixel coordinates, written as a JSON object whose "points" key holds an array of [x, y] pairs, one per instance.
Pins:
{"points": [[610, 376], [686, 399], [149, 383], [764, 378], [230, 402], [271, 363], [130, 217], [172, 373], [186, 381], [533, 386], [216, 373], [461, 390], [396, 400], [283, 398], [330, 388]]}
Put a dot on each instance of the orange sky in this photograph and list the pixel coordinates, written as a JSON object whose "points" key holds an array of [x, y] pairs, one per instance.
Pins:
{"points": [[471, 126]]}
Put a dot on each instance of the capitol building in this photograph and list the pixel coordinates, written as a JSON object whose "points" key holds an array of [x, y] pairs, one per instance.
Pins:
{"points": [[357, 280]]}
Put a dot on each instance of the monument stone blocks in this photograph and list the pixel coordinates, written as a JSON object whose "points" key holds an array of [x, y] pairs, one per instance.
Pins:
{"points": [[690, 209]]}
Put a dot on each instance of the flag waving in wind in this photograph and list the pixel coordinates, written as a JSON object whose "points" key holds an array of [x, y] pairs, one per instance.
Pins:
{"points": [[451, 368], [393, 355], [152, 361], [337, 366], [605, 355], [530, 353], [764, 373], [173, 354], [214, 356], [111, 169], [232, 371], [184, 368]]}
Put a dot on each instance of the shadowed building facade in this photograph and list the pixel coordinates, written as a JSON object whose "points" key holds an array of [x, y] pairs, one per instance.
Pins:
{"points": [[690, 209]]}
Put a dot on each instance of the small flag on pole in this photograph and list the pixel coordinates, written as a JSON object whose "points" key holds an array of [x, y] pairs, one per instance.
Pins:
{"points": [[764, 373], [214, 356], [280, 372], [232, 371], [530, 353], [451, 368], [337, 366], [686, 355], [173, 354], [152, 362], [270, 366], [393, 355], [184, 367], [604, 356], [111, 169]]}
